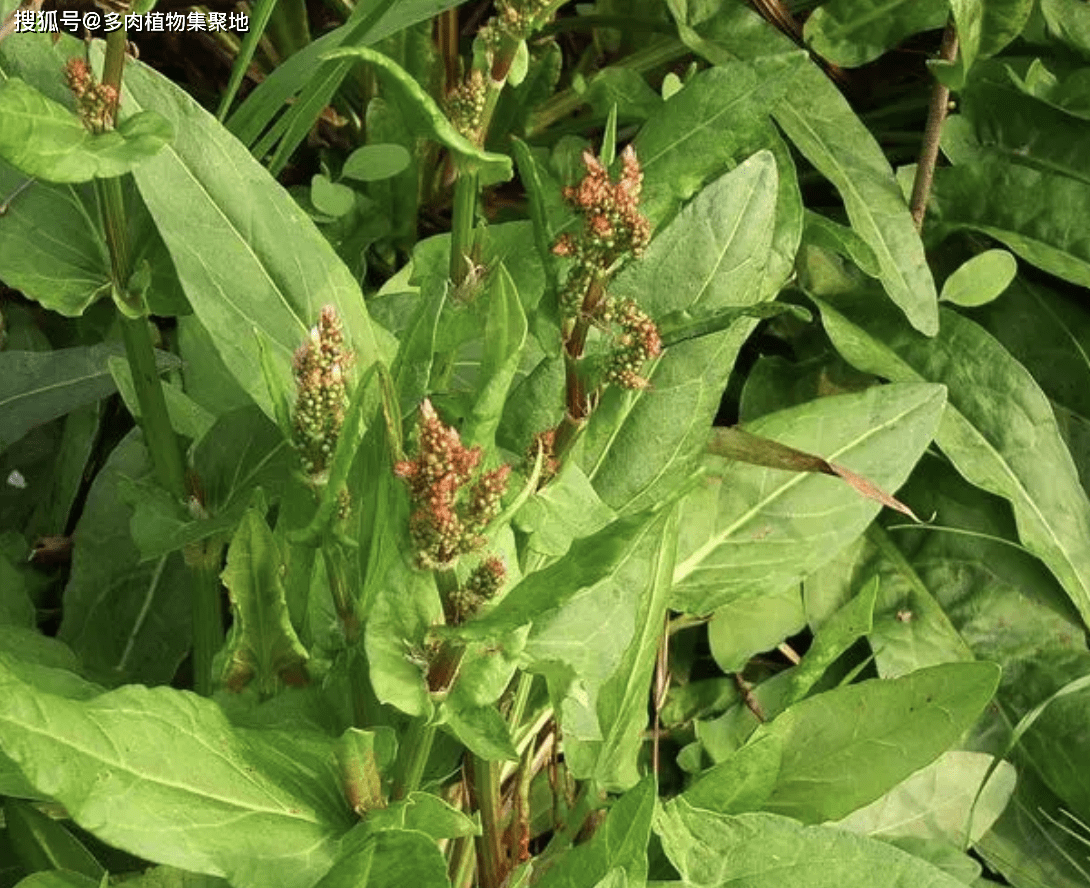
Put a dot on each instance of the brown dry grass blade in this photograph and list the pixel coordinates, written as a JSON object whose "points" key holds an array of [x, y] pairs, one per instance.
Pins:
{"points": [[734, 443]]}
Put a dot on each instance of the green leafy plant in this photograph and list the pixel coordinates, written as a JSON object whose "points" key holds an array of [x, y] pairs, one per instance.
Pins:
{"points": [[704, 504]]}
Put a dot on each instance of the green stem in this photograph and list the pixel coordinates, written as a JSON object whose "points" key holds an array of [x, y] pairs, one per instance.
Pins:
{"points": [[461, 232], [417, 748], [661, 52], [522, 697], [463, 862], [486, 791], [163, 446], [207, 622]]}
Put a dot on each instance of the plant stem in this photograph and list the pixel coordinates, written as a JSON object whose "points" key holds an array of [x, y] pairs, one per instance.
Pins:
{"points": [[936, 117], [207, 623], [461, 232], [463, 862], [660, 52], [522, 697], [162, 444], [418, 743], [486, 792]]}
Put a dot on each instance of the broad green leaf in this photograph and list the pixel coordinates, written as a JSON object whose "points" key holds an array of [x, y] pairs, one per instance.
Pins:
{"points": [[998, 430], [53, 248], [261, 807], [713, 123], [937, 802], [713, 850], [504, 335], [331, 198], [43, 843], [1031, 211], [422, 812], [189, 419], [622, 700], [601, 583], [1000, 123], [242, 451], [59, 879], [43, 139], [388, 859], [1049, 334], [425, 118], [1055, 738], [1035, 844], [1001, 22], [170, 877], [739, 629], [1069, 22], [910, 629], [247, 255], [844, 748], [127, 621], [566, 508], [36, 387], [851, 33], [262, 645], [740, 783], [1070, 95], [405, 607], [817, 118], [980, 280], [751, 530], [625, 88], [483, 730], [639, 445], [620, 842], [206, 379]]}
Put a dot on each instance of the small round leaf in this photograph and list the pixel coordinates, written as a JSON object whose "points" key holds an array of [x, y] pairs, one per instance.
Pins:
{"points": [[372, 163], [981, 279], [331, 198]]}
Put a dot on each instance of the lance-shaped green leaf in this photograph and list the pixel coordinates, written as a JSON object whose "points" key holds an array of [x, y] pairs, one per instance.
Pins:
{"points": [[262, 644], [851, 33], [639, 445], [1069, 22], [765, 851], [504, 334], [261, 807], [998, 429], [751, 529], [43, 843], [188, 418], [247, 255], [680, 326], [126, 620], [36, 387], [426, 119], [619, 843], [43, 139], [817, 118], [846, 747], [422, 812]]}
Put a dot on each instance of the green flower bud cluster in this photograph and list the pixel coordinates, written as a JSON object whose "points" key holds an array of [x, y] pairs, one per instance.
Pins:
{"points": [[319, 367], [451, 507], [482, 586], [465, 104], [637, 342], [96, 103], [613, 227]]}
